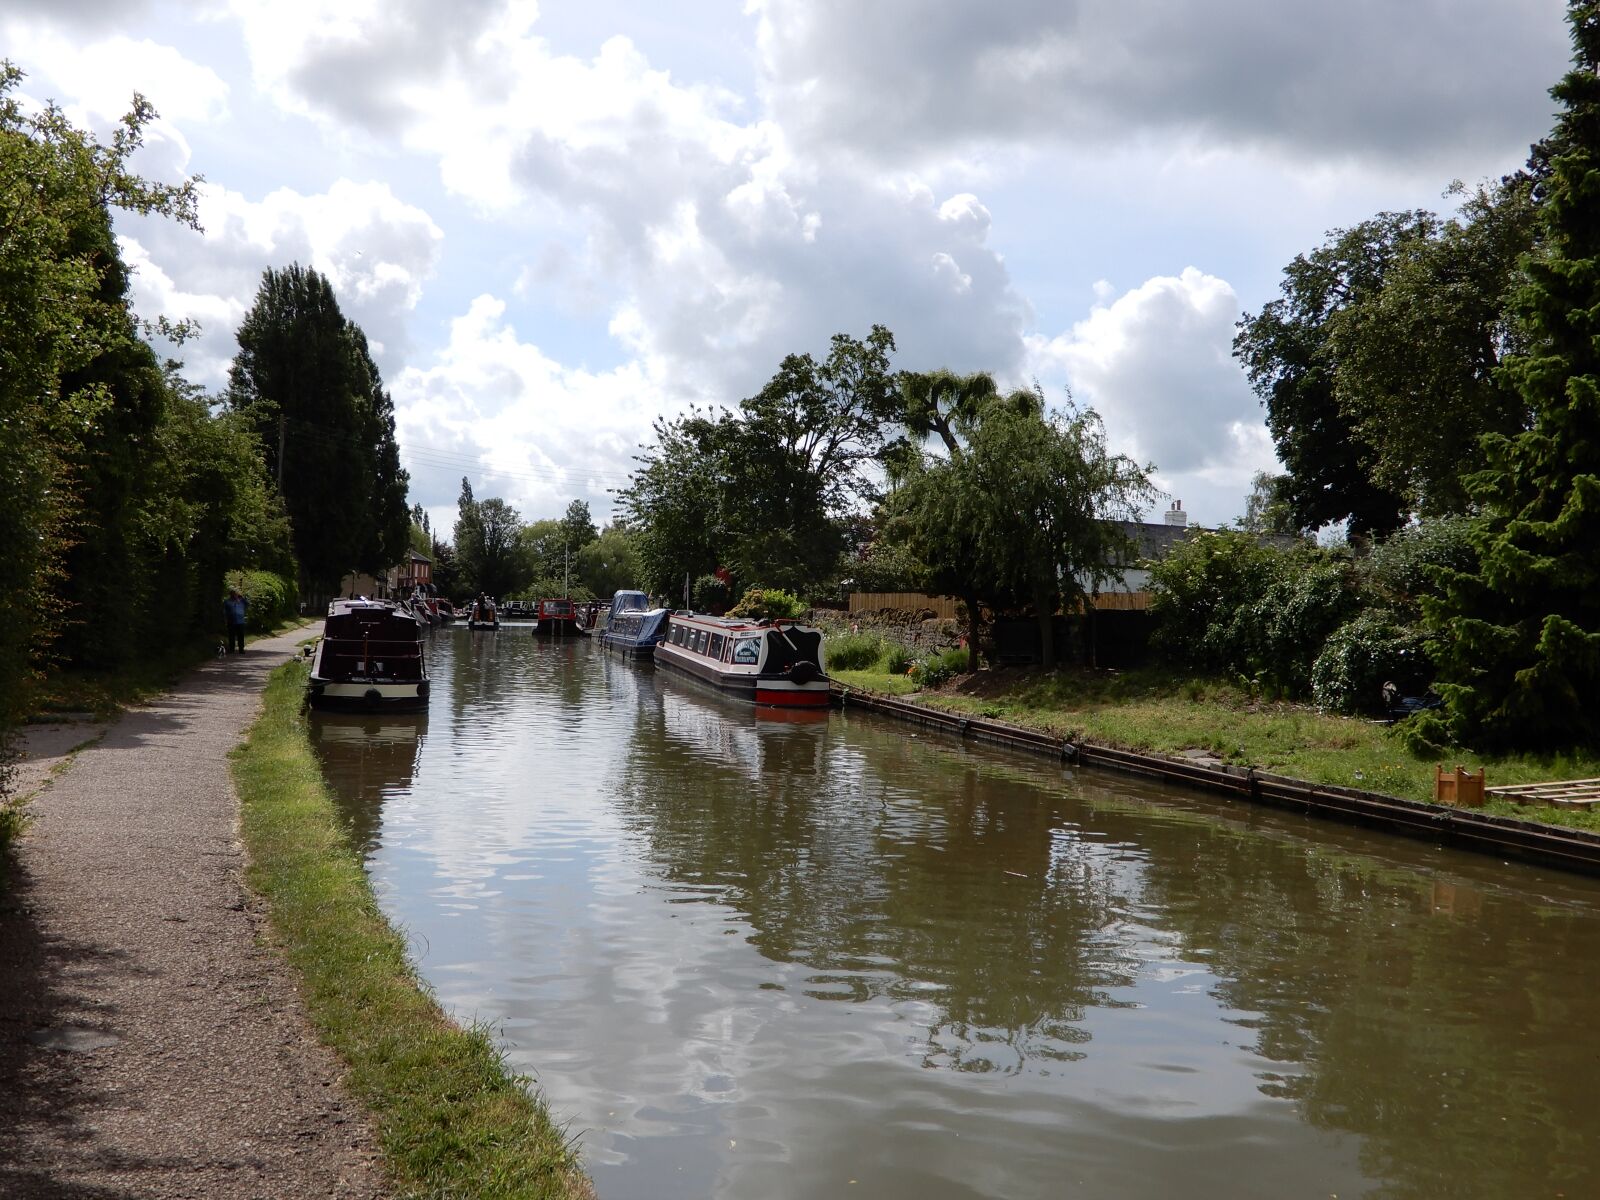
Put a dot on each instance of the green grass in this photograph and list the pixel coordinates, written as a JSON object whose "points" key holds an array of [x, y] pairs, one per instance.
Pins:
{"points": [[1165, 714], [453, 1121]]}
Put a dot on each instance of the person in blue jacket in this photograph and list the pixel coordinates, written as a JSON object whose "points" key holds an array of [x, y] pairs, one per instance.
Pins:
{"points": [[234, 608]]}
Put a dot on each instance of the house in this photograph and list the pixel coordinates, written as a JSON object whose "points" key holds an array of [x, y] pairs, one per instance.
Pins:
{"points": [[415, 568]]}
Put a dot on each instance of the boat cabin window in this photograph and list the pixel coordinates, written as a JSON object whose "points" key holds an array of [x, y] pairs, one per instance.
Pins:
{"points": [[747, 650], [699, 641], [716, 646]]}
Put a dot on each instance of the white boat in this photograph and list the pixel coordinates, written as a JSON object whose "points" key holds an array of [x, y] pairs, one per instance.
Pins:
{"points": [[776, 663]]}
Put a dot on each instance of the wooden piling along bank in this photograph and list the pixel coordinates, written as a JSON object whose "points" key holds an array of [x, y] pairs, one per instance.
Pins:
{"points": [[1508, 837]]}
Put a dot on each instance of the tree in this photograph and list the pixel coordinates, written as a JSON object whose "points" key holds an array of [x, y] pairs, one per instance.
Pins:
{"points": [[1267, 508], [674, 501], [305, 380], [468, 537], [1518, 639], [72, 370], [499, 570], [542, 557], [1286, 350], [610, 563], [1417, 359], [764, 492], [1023, 504], [577, 527]]}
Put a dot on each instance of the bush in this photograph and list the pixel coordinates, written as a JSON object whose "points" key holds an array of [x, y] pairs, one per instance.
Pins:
{"points": [[769, 604], [938, 669], [899, 660], [854, 652], [1404, 568], [710, 594], [271, 598], [1361, 656], [1226, 605]]}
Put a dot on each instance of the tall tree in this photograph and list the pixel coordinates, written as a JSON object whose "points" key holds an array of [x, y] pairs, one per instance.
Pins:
{"points": [[1285, 348], [305, 380], [1416, 360], [1518, 639], [577, 527], [74, 379]]}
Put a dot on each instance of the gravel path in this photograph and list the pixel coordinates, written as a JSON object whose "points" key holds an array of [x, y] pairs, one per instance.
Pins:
{"points": [[149, 1045]]}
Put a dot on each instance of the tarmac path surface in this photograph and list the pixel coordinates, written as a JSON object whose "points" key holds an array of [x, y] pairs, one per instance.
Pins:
{"points": [[151, 1044]]}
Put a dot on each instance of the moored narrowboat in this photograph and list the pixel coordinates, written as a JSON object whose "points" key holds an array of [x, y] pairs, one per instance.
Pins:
{"points": [[632, 628], [369, 658], [557, 619], [775, 663]]}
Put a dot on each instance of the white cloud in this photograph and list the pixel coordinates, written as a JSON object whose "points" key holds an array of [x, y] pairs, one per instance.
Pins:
{"points": [[376, 250], [1156, 363], [526, 428]]}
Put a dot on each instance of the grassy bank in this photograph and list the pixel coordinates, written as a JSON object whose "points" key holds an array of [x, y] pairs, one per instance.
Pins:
{"points": [[453, 1121], [1159, 713]]}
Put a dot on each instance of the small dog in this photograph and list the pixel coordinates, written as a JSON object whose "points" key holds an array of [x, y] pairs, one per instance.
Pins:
{"points": [[222, 649]]}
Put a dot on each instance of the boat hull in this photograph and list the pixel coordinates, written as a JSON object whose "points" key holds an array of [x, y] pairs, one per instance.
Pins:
{"points": [[348, 695], [767, 691]]}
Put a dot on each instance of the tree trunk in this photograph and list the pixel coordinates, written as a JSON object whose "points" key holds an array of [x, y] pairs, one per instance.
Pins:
{"points": [[971, 601], [1047, 631]]}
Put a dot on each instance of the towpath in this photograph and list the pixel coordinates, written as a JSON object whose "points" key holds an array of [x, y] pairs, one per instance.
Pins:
{"points": [[150, 1044]]}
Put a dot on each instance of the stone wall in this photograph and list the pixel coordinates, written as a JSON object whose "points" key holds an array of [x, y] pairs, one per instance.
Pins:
{"points": [[898, 627]]}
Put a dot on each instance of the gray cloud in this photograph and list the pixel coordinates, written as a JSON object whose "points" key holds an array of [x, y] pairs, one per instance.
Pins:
{"points": [[417, 42], [1369, 79]]}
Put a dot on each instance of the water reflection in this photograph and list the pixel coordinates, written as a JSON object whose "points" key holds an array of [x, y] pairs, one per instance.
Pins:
{"points": [[373, 757], [756, 958]]}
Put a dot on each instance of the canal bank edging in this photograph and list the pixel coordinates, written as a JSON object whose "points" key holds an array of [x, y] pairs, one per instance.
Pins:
{"points": [[1485, 833]]}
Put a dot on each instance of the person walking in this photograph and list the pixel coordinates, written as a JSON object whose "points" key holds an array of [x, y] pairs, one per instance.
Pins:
{"points": [[234, 609]]}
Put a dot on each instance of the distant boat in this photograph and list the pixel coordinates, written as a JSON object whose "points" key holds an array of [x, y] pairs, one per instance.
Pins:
{"points": [[369, 658], [482, 615], [776, 663], [557, 619]]}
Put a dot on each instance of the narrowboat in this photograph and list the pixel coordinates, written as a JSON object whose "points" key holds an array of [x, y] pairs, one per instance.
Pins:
{"points": [[636, 632], [557, 619], [369, 659], [776, 663], [483, 615]]}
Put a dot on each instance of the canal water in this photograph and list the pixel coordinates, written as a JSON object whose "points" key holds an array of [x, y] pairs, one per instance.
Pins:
{"points": [[754, 958]]}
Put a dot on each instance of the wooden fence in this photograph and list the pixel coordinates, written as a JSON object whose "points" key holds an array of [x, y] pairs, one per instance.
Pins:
{"points": [[943, 607]]}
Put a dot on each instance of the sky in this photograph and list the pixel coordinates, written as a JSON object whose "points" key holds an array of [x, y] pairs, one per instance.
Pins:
{"points": [[559, 221]]}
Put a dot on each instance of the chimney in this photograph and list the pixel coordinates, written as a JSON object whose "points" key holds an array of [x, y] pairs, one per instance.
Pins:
{"points": [[1176, 515]]}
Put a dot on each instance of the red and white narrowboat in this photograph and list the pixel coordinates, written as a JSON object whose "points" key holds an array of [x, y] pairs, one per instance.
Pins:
{"points": [[777, 663]]}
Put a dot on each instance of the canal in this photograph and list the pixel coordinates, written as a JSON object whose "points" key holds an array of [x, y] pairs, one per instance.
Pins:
{"points": [[750, 958]]}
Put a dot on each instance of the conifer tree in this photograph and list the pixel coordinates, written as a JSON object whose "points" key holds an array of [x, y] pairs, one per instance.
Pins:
{"points": [[1518, 639]]}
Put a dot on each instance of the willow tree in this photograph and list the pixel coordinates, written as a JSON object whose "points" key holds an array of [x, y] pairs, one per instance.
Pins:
{"points": [[1022, 506], [1518, 638]]}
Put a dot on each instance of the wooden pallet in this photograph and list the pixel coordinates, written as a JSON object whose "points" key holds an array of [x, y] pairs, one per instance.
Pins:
{"points": [[1561, 793]]}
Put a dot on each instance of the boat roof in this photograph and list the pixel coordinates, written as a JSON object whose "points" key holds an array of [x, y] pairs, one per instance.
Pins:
{"points": [[739, 624]]}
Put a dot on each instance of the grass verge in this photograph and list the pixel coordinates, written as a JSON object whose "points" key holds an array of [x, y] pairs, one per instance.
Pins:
{"points": [[453, 1121], [1164, 714]]}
